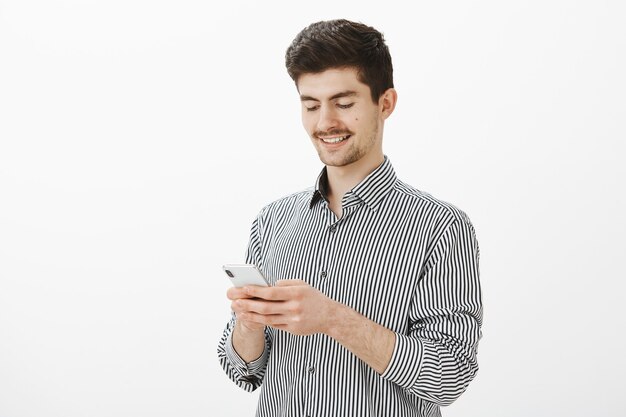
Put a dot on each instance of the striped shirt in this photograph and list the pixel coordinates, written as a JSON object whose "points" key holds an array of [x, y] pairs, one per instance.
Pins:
{"points": [[398, 256]]}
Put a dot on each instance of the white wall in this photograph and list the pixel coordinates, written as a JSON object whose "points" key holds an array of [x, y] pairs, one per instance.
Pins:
{"points": [[138, 140]]}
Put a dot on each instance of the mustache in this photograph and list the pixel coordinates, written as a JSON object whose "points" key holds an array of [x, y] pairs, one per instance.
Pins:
{"points": [[334, 132]]}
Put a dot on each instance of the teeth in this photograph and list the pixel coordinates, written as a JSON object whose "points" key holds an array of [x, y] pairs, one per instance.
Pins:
{"points": [[334, 140]]}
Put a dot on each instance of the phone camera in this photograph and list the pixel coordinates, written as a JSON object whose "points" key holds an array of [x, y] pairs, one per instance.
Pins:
{"points": [[230, 274]]}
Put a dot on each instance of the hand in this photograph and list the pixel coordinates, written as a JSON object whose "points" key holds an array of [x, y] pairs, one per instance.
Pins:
{"points": [[298, 308], [291, 305], [235, 294]]}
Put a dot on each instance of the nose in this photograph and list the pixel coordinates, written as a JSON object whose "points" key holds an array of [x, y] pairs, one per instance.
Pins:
{"points": [[327, 119]]}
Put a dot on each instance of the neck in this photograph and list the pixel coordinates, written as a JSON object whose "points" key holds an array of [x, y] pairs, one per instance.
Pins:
{"points": [[342, 179]]}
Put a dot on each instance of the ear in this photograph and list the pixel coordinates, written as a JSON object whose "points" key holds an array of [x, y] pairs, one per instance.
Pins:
{"points": [[387, 102]]}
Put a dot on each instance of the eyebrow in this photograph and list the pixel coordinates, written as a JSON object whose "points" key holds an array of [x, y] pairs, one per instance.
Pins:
{"points": [[347, 93]]}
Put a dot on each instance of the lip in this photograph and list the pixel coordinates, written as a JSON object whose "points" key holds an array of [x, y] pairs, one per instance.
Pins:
{"points": [[335, 145]]}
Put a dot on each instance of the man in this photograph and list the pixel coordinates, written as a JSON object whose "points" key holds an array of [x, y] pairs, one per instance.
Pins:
{"points": [[375, 308]]}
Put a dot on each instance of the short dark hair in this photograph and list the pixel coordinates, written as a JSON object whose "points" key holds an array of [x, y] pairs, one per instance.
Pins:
{"points": [[341, 44]]}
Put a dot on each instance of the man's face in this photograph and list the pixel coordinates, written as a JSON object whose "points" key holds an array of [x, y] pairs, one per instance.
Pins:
{"points": [[344, 124]]}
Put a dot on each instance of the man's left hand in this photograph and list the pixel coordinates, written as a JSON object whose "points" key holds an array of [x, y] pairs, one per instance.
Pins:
{"points": [[291, 305]]}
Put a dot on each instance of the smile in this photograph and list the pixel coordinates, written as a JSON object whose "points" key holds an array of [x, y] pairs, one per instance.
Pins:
{"points": [[336, 139]]}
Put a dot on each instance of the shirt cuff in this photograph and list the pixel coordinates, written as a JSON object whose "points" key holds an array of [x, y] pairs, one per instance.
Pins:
{"points": [[243, 368], [406, 361]]}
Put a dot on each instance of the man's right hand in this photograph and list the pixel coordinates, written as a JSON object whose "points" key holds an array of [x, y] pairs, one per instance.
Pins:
{"points": [[248, 337], [234, 294]]}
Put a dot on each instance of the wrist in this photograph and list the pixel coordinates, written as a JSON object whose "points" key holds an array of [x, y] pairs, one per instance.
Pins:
{"points": [[248, 343], [337, 318], [245, 330]]}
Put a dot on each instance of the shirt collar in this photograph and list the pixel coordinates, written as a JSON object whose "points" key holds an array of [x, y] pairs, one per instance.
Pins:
{"points": [[370, 190]]}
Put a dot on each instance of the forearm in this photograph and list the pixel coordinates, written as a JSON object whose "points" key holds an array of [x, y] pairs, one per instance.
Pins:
{"points": [[368, 340], [249, 344], [247, 375], [424, 367]]}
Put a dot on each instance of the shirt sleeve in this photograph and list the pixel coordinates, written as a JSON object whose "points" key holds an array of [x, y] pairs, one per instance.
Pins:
{"points": [[436, 358], [248, 376]]}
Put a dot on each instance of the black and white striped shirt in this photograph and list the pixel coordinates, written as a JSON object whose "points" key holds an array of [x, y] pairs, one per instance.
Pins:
{"points": [[398, 256]]}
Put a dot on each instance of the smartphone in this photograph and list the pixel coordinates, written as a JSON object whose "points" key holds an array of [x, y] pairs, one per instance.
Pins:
{"points": [[245, 274]]}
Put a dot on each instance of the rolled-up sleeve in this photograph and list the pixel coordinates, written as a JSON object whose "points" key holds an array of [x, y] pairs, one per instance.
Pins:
{"points": [[436, 358], [248, 376]]}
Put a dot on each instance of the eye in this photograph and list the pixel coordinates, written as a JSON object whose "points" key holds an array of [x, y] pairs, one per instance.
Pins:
{"points": [[345, 106], [312, 108]]}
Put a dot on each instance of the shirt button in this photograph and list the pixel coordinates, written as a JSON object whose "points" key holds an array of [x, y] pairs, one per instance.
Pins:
{"points": [[333, 228], [323, 274], [311, 369]]}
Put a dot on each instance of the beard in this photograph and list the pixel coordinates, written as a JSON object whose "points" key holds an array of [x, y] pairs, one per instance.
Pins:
{"points": [[355, 148], [347, 155]]}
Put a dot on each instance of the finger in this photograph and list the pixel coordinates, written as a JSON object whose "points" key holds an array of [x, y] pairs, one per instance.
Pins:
{"points": [[269, 293], [267, 320], [289, 282], [259, 306], [235, 293], [237, 307]]}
